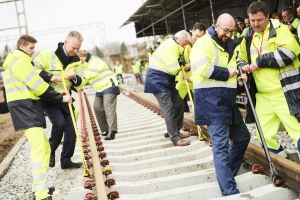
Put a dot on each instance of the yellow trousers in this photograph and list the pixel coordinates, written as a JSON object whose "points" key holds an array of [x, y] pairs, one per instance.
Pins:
{"points": [[40, 155], [272, 109]]}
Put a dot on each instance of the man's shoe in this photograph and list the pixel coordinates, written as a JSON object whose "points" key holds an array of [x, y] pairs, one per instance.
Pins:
{"points": [[182, 143], [182, 136], [71, 165], [50, 192], [166, 135], [110, 135], [52, 160]]}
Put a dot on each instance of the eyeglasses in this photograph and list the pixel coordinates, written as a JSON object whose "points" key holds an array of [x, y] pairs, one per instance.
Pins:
{"points": [[226, 31]]}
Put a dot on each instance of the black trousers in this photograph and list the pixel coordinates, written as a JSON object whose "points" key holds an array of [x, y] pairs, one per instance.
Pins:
{"points": [[61, 125]]}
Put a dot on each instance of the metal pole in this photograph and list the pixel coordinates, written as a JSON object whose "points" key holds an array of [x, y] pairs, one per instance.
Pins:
{"points": [[142, 26], [212, 12], [152, 23], [165, 18], [192, 1], [183, 15]]}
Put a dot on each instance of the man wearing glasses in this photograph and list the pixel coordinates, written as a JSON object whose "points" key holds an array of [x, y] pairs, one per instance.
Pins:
{"points": [[215, 86]]}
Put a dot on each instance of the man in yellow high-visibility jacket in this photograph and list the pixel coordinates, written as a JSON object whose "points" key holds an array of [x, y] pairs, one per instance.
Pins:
{"points": [[267, 50], [160, 80], [24, 88], [215, 87], [118, 68], [52, 66]]}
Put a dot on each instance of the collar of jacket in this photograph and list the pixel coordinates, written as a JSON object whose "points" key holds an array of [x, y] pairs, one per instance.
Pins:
{"points": [[228, 47], [272, 25], [88, 57], [64, 59], [26, 56]]}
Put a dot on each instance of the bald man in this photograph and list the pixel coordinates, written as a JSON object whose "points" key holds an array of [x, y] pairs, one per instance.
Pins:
{"points": [[215, 88]]}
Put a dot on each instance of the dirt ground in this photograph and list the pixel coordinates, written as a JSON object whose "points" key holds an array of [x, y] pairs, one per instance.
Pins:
{"points": [[8, 136]]}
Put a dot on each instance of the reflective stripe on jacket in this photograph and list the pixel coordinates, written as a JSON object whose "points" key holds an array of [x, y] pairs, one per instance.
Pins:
{"points": [[163, 67], [100, 75]]}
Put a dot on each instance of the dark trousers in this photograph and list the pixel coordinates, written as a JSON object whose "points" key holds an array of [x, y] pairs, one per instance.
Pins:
{"points": [[172, 108], [61, 124], [121, 77], [227, 160]]}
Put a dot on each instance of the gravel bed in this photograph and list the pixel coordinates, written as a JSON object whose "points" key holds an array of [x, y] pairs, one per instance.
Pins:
{"points": [[16, 184]]}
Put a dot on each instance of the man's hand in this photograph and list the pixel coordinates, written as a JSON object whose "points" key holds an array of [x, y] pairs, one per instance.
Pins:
{"points": [[63, 93], [71, 75], [246, 68], [253, 67], [55, 79], [232, 72], [67, 99], [186, 77], [187, 66], [241, 78]]}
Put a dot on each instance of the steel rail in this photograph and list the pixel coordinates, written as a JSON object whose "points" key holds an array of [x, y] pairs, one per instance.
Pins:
{"points": [[101, 189], [288, 170]]}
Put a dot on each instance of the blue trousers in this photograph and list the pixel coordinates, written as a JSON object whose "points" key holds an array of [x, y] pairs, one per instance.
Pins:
{"points": [[227, 160], [61, 124]]}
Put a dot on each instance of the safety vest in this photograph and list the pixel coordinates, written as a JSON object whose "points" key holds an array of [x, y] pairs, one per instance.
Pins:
{"points": [[23, 86], [264, 43], [136, 69], [100, 75], [49, 62], [181, 85], [203, 67], [118, 69]]}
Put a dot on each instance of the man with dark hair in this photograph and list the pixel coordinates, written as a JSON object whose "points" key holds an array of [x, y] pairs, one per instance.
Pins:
{"points": [[267, 50], [291, 22], [24, 88], [52, 66], [247, 22], [240, 26], [198, 31]]}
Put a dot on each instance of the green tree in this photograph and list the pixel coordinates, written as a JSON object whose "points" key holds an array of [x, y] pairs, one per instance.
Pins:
{"points": [[99, 52], [123, 49]]}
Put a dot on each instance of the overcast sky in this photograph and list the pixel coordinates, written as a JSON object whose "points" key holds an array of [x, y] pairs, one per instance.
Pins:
{"points": [[51, 14]]}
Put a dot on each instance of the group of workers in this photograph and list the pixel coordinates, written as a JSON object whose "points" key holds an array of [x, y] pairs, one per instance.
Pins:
{"points": [[43, 86], [266, 51]]}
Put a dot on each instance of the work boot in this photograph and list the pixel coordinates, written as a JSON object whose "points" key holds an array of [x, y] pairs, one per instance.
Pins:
{"points": [[110, 135], [50, 192], [52, 160]]}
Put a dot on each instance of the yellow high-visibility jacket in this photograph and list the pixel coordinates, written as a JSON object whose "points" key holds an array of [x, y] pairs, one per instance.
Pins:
{"points": [[100, 75], [24, 88]]}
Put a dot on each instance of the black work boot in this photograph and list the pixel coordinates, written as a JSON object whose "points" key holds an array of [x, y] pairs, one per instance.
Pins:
{"points": [[110, 135]]}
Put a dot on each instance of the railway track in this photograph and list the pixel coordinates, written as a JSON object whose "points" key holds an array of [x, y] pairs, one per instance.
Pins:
{"points": [[141, 164]]}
